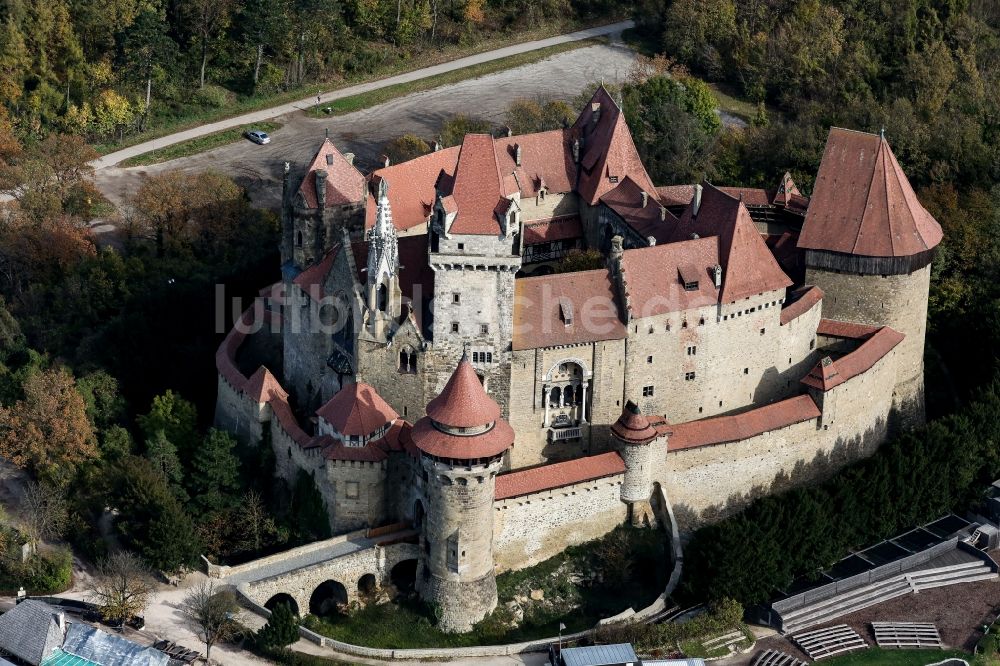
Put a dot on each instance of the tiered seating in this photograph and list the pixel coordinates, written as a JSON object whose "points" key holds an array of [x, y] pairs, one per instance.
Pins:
{"points": [[728, 640], [907, 635], [777, 658], [830, 641], [876, 593]]}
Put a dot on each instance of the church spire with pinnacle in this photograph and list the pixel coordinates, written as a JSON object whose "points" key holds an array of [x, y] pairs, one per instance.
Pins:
{"points": [[383, 247]]}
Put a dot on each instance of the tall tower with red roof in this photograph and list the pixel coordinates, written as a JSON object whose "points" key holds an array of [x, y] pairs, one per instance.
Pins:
{"points": [[869, 244], [462, 441]]}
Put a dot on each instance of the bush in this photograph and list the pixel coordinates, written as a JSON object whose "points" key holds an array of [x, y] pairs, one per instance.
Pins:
{"points": [[281, 629], [214, 97], [45, 573]]}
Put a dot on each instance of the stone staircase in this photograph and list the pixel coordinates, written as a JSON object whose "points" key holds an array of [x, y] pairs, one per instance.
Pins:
{"points": [[876, 593]]}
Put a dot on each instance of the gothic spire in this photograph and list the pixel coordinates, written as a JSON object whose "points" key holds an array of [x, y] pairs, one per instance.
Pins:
{"points": [[383, 251]]}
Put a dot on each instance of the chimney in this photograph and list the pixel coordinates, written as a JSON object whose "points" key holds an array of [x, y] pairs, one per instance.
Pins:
{"points": [[507, 131], [617, 251], [517, 154], [329, 159], [696, 202], [321, 188], [436, 146], [350, 158], [651, 240], [386, 161], [717, 274], [645, 198], [595, 113], [663, 214], [60, 618], [576, 151]]}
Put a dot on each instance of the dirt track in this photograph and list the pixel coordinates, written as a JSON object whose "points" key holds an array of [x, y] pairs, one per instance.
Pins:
{"points": [[258, 168]]}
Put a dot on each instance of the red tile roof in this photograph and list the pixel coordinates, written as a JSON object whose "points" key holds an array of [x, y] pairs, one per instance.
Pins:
{"points": [[845, 329], [748, 266], [558, 475], [675, 195], [538, 320], [806, 299], [312, 278], [479, 187], [632, 427], [751, 196], [626, 200], [411, 187], [557, 228], [462, 404], [344, 183], [608, 153], [681, 195], [722, 429], [653, 276], [787, 194], [358, 410], [829, 373], [263, 386], [863, 204], [546, 157]]}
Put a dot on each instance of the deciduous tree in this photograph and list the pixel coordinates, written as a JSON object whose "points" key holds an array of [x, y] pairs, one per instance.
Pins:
{"points": [[123, 587], [211, 612]]}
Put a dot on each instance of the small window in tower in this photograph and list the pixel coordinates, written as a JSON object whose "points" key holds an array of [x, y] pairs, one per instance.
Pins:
{"points": [[647, 391], [762, 331], [684, 324], [649, 359], [701, 322], [651, 330], [746, 371], [456, 298], [691, 351], [489, 357], [484, 329], [352, 490], [475, 357], [812, 343], [461, 246], [454, 327], [688, 376]]}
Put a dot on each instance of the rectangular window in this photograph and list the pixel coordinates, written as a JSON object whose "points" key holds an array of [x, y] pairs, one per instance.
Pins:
{"points": [[612, 179], [692, 351], [688, 376], [454, 327], [456, 298], [489, 357], [484, 329], [352, 490], [647, 391], [475, 357], [746, 371], [649, 359], [461, 246], [762, 331]]}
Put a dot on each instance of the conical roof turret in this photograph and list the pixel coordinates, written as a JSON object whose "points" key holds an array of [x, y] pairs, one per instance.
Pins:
{"points": [[632, 427]]}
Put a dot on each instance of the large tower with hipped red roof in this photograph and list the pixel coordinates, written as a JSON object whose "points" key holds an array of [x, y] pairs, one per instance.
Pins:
{"points": [[868, 245], [462, 441]]}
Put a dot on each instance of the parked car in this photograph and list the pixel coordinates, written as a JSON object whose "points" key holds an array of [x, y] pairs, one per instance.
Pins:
{"points": [[258, 136]]}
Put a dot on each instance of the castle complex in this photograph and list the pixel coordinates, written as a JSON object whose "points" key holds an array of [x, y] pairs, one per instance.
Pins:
{"points": [[428, 360]]}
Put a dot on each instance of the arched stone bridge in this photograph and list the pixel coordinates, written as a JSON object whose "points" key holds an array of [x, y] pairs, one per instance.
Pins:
{"points": [[328, 572]]}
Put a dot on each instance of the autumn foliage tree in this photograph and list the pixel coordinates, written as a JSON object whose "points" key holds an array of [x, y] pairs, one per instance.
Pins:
{"points": [[47, 432]]}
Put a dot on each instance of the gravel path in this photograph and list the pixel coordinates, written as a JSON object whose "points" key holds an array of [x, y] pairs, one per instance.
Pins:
{"points": [[258, 168]]}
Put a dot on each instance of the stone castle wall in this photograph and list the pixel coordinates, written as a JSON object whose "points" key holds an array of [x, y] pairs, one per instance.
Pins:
{"points": [[532, 528], [898, 301]]}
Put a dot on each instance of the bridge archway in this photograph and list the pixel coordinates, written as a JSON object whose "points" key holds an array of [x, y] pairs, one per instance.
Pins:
{"points": [[404, 576], [282, 598], [327, 598], [367, 584]]}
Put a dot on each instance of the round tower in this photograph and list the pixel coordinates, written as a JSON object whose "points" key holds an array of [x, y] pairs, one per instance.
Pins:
{"points": [[462, 441], [868, 245], [640, 447]]}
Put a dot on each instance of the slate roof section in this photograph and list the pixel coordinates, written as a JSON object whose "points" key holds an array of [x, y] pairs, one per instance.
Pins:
{"points": [[411, 187], [647, 221], [357, 410], [804, 301], [599, 655], [31, 631], [829, 373], [539, 321], [723, 429], [608, 152], [344, 183], [748, 267], [558, 475], [862, 203], [109, 650], [556, 228], [654, 282]]}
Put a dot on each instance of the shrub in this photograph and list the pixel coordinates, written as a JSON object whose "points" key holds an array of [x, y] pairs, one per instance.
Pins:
{"points": [[214, 97], [281, 629]]}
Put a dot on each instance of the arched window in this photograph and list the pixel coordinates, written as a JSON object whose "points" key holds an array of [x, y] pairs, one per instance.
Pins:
{"points": [[298, 239], [412, 364], [382, 298], [567, 395], [554, 396], [578, 397], [404, 361]]}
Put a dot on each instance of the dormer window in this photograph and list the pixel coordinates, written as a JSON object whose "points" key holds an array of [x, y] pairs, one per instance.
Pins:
{"points": [[566, 311], [689, 277]]}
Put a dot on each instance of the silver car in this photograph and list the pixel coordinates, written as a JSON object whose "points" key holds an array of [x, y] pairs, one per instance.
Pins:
{"points": [[258, 137]]}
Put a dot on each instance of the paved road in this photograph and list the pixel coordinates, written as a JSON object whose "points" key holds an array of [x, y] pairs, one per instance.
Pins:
{"points": [[257, 116], [258, 168]]}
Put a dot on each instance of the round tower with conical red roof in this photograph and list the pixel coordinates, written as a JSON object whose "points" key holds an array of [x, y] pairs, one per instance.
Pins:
{"points": [[640, 446], [462, 441]]}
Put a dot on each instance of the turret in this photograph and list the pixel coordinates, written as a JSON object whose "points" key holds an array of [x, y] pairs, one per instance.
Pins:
{"points": [[383, 297], [641, 447], [462, 441], [868, 245]]}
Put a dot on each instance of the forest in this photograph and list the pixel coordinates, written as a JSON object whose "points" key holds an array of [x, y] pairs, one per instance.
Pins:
{"points": [[110, 69]]}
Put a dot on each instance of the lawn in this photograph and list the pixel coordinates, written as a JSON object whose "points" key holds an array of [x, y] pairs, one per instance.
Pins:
{"points": [[195, 146], [375, 97], [578, 588], [877, 657]]}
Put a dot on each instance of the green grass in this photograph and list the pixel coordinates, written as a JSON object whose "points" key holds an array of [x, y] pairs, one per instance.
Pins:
{"points": [[168, 124], [381, 95], [877, 657], [195, 146], [732, 104]]}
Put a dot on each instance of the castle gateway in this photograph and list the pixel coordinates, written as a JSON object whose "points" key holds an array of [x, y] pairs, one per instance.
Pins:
{"points": [[425, 363]]}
